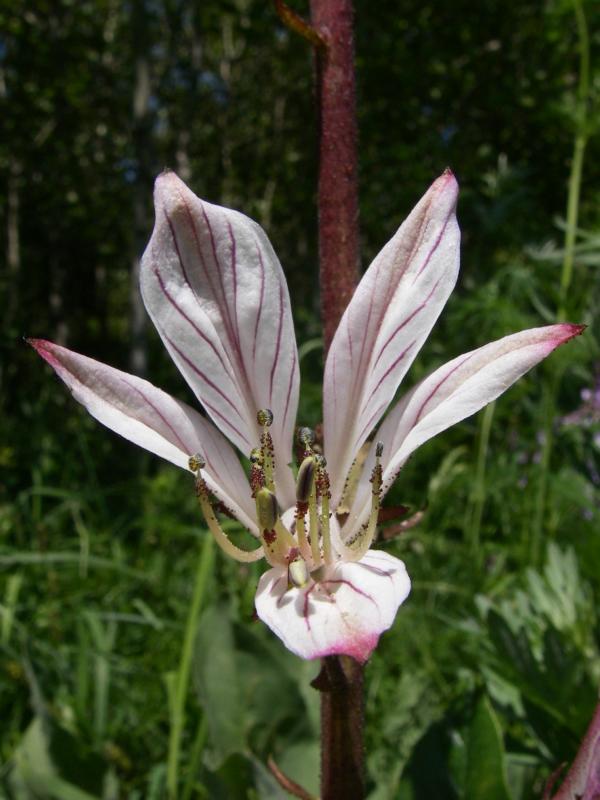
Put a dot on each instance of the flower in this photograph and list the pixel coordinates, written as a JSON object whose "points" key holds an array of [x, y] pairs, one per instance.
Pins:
{"points": [[216, 293]]}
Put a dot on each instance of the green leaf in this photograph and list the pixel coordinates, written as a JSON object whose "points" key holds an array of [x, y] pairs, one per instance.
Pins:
{"points": [[48, 763], [216, 677], [485, 769]]}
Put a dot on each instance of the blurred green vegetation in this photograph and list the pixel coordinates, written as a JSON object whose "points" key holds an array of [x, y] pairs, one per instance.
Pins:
{"points": [[490, 674]]}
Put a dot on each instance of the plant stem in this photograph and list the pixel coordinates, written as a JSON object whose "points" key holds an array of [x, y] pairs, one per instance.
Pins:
{"points": [[580, 142], [341, 678], [338, 161], [573, 198], [342, 717], [478, 495], [182, 677]]}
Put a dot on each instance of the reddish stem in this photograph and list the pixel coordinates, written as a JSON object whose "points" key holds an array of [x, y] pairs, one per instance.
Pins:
{"points": [[338, 163], [341, 678], [342, 719]]}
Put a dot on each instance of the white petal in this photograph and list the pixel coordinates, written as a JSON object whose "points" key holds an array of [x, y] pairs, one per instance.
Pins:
{"points": [[389, 317], [343, 615], [450, 394], [154, 420], [217, 294]]}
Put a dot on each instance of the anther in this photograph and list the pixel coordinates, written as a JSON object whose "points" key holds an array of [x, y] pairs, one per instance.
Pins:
{"points": [[379, 449], [196, 462], [264, 417], [266, 509], [256, 456], [306, 436], [298, 573], [305, 480]]}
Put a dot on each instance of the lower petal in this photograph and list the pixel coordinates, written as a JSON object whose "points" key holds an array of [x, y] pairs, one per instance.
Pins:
{"points": [[343, 614]]}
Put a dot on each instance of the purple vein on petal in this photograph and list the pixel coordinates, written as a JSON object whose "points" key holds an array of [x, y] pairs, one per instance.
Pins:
{"points": [[371, 421], [438, 386], [358, 368], [217, 449], [262, 297], [158, 412], [176, 246], [405, 322], [349, 335], [352, 586], [203, 376], [278, 345], [234, 277], [289, 388], [436, 244], [188, 319], [390, 369], [213, 248], [226, 420], [233, 339]]}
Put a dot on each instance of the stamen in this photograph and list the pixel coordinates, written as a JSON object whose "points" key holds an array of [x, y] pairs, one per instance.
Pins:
{"points": [[257, 473], [266, 509], [304, 487], [313, 522], [298, 573], [306, 436], [323, 489], [264, 417], [305, 480], [277, 540], [359, 546], [196, 463]]}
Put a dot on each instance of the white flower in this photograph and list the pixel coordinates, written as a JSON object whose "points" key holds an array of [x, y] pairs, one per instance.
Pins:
{"points": [[216, 293]]}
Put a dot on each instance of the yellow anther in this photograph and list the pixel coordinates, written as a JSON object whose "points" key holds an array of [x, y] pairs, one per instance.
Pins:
{"points": [[196, 462], [298, 573], [264, 417], [305, 480], [267, 510]]}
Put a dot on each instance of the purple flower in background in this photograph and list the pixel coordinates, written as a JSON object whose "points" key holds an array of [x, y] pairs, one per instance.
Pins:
{"points": [[216, 293]]}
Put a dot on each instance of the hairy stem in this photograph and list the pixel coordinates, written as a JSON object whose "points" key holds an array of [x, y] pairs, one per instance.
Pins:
{"points": [[342, 716], [341, 678], [338, 162]]}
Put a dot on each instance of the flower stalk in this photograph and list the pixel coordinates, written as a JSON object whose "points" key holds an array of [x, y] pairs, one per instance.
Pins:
{"points": [[338, 160]]}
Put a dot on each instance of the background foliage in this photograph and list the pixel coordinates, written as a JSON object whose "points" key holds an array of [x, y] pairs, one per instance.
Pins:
{"points": [[490, 674]]}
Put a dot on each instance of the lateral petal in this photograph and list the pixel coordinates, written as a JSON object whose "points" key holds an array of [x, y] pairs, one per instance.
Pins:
{"points": [[389, 317], [216, 293], [152, 419], [450, 394], [344, 614]]}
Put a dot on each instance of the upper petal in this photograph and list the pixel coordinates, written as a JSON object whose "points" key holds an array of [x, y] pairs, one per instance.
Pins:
{"points": [[452, 393], [154, 420], [389, 317], [217, 294], [344, 614]]}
